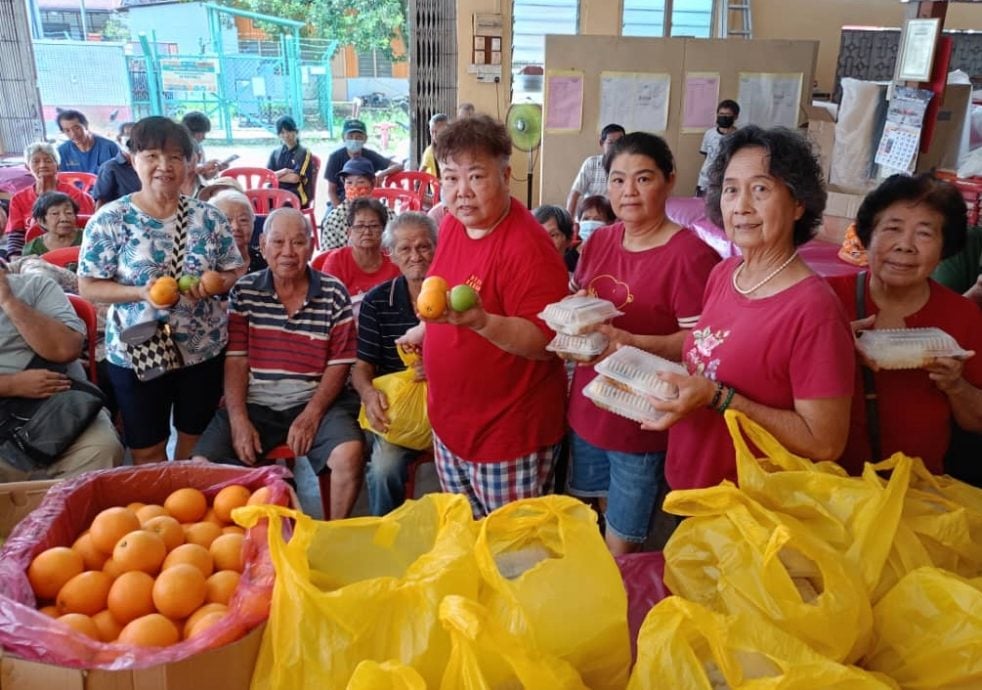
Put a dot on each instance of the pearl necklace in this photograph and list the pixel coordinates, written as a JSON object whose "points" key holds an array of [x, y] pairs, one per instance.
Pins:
{"points": [[769, 276]]}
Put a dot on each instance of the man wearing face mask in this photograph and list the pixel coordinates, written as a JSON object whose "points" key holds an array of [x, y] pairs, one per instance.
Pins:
{"points": [[727, 113], [354, 135]]}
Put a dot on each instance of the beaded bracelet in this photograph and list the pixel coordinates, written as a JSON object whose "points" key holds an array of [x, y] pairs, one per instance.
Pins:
{"points": [[717, 395], [726, 402]]}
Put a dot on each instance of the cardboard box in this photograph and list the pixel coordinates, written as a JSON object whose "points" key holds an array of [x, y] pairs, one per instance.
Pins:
{"points": [[17, 499], [946, 141], [821, 131], [840, 212], [226, 668]]}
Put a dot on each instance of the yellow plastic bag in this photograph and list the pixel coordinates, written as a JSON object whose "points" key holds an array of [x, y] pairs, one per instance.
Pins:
{"points": [[409, 424], [485, 657], [684, 645], [389, 675], [945, 514], [548, 574], [365, 588], [928, 632], [735, 556], [858, 517]]}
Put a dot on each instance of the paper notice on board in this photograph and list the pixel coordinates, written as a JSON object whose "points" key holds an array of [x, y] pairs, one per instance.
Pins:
{"points": [[770, 99], [638, 101], [564, 101], [902, 132], [699, 101]]}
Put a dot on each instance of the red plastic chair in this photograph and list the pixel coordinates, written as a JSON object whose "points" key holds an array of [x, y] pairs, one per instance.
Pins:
{"points": [[62, 257], [317, 263], [265, 200], [254, 178], [86, 312], [426, 187], [83, 180], [398, 200], [283, 452]]}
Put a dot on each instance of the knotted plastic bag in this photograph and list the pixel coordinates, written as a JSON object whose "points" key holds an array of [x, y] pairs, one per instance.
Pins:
{"points": [[858, 517], [928, 632], [389, 675], [409, 424], [484, 656], [548, 574], [685, 645], [735, 556], [365, 588]]}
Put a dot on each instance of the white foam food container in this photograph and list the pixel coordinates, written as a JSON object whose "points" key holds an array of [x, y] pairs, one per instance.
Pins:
{"points": [[907, 348], [638, 369], [578, 348], [617, 398], [577, 315]]}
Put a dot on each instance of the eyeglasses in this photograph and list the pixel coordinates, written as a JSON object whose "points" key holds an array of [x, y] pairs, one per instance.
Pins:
{"points": [[375, 227]]}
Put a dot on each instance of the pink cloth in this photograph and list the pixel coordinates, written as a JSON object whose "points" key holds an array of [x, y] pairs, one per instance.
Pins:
{"points": [[660, 292], [14, 178], [485, 404], [341, 264], [793, 345], [22, 202], [914, 415]]}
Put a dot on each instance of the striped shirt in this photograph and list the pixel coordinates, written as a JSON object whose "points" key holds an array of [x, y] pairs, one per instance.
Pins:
{"points": [[289, 354], [386, 314]]}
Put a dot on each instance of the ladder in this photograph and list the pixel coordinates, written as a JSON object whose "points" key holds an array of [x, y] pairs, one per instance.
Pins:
{"points": [[734, 19]]}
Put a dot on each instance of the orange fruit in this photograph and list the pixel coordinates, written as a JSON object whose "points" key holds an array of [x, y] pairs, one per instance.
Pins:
{"points": [[228, 499], [50, 610], [203, 623], [140, 550], [134, 506], [152, 630], [85, 593], [212, 516], [109, 627], [150, 511], [110, 526], [233, 529], [52, 568], [112, 569], [179, 590], [131, 596], [82, 624], [168, 529], [164, 291], [435, 283], [212, 282], [220, 587], [201, 613], [431, 303], [202, 533], [191, 554], [259, 497], [226, 551], [186, 505], [93, 558]]}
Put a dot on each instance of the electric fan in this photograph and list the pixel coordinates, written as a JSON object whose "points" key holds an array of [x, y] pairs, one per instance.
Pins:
{"points": [[524, 124]]}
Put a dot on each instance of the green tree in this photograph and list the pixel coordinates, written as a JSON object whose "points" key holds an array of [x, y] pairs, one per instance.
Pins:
{"points": [[364, 24]]}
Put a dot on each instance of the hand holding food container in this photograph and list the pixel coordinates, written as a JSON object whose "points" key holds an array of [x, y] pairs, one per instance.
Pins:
{"points": [[576, 320]]}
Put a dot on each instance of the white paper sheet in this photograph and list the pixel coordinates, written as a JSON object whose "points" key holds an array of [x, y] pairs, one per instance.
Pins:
{"points": [[638, 101], [770, 99]]}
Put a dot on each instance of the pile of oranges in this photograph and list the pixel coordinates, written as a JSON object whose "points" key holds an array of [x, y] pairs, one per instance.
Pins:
{"points": [[145, 574]]}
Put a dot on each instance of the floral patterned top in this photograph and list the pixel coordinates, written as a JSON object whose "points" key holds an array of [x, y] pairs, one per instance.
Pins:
{"points": [[124, 244]]}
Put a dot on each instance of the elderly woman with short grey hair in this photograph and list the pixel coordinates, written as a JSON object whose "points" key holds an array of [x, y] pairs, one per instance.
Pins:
{"points": [[241, 216], [42, 160]]}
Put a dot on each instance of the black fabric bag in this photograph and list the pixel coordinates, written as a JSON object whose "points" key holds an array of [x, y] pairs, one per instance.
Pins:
{"points": [[34, 432]]}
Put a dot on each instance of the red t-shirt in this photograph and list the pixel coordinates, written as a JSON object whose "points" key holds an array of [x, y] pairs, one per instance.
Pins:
{"points": [[21, 203], [795, 345], [660, 292], [485, 404], [341, 264], [914, 414]]}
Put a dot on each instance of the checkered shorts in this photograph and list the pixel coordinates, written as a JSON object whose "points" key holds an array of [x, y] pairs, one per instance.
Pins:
{"points": [[490, 485]]}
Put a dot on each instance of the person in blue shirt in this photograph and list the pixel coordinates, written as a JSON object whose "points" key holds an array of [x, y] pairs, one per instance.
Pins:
{"points": [[292, 163], [84, 151], [354, 135], [117, 178]]}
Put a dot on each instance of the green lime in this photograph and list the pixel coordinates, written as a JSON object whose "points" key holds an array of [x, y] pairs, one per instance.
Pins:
{"points": [[462, 297], [186, 282]]}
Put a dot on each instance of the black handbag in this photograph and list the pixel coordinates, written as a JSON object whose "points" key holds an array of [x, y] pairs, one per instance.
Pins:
{"points": [[150, 345], [36, 431]]}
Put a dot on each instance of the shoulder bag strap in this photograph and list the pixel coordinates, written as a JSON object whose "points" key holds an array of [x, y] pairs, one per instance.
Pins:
{"points": [[869, 383], [180, 239]]}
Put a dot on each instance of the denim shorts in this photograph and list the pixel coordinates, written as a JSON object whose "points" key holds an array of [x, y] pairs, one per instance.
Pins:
{"points": [[630, 481]]}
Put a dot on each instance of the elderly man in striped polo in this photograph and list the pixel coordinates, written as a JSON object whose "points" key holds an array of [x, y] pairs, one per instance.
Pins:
{"points": [[291, 347]]}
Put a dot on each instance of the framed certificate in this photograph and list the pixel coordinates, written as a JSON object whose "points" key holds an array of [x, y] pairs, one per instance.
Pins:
{"points": [[917, 49]]}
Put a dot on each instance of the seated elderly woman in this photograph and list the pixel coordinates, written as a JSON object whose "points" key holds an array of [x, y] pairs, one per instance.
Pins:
{"points": [[593, 213], [42, 160], [241, 216], [362, 264], [558, 224], [55, 213], [907, 225], [773, 341], [358, 177]]}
